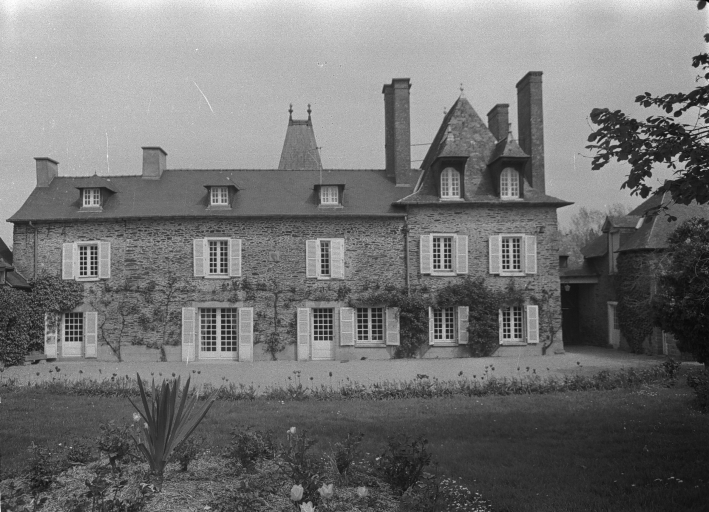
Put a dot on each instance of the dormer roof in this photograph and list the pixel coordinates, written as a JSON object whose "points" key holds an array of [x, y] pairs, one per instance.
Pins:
{"points": [[97, 182], [507, 148], [300, 151]]}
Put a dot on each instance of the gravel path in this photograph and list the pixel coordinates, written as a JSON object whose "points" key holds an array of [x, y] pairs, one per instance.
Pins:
{"points": [[585, 360]]}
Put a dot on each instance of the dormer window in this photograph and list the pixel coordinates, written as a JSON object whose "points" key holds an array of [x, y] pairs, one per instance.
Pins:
{"points": [[329, 195], [450, 184], [509, 184], [219, 196], [91, 197]]}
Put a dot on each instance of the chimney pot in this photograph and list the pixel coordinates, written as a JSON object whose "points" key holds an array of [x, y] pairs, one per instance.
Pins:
{"points": [[397, 128], [154, 162], [498, 120], [47, 170], [530, 126]]}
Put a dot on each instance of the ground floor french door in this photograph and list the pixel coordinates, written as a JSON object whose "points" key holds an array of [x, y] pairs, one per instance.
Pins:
{"points": [[218, 333], [323, 329], [72, 341]]}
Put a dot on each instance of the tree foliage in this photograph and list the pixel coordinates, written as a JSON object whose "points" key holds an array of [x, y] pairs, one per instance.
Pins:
{"points": [[676, 138], [585, 226], [681, 305]]}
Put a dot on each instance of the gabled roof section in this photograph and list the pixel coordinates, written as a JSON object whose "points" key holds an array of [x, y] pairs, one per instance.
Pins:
{"points": [[507, 148], [596, 247], [182, 193], [300, 151], [98, 182], [5, 252], [616, 222]]}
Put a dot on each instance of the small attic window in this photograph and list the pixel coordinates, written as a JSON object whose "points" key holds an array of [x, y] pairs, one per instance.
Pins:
{"points": [[329, 195], [509, 184], [91, 197], [219, 196], [450, 184]]}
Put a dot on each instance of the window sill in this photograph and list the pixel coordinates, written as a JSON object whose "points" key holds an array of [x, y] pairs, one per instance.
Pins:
{"points": [[219, 207], [445, 344], [90, 209], [87, 279], [513, 343], [512, 274], [452, 199], [443, 274], [512, 198], [220, 276], [330, 206], [369, 345]]}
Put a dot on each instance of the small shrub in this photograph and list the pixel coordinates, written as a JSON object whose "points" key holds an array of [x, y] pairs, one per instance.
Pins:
{"points": [[699, 382], [671, 368], [403, 462], [42, 468], [301, 467], [187, 451], [347, 451], [115, 442], [79, 452], [249, 445]]}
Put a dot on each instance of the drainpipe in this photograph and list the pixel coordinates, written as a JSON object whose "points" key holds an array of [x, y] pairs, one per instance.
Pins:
{"points": [[34, 272], [405, 230]]}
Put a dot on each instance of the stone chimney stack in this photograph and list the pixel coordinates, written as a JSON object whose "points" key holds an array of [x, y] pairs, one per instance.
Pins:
{"points": [[530, 124], [47, 170], [397, 130], [498, 120], [153, 162]]}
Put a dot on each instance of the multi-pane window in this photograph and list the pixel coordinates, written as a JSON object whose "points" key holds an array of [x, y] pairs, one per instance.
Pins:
{"points": [[442, 250], [511, 319], [88, 260], [218, 330], [92, 197], [322, 324], [218, 257], [370, 325], [325, 266], [450, 184], [511, 254], [444, 324], [219, 195], [509, 184], [73, 327], [329, 195]]}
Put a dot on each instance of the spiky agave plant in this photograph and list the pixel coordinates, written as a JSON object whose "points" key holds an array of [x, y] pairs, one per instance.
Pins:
{"points": [[168, 420]]}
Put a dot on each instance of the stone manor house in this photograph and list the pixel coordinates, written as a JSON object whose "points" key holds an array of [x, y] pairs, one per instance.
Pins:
{"points": [[197, 264]]}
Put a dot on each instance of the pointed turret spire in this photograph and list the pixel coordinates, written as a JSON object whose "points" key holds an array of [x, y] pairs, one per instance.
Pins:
{"points": [[300, 151]]}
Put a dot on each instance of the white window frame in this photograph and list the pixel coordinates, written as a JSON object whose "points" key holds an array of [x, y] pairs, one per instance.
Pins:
{"points": [[219, 196], [509, 184], [512, 272], [453, 250], [446, 322], [370, 326], [329, 195], [207, 270], [321, 260], [512, 339], [91, 197], [219, 318], [450, 184], [87, 246]]}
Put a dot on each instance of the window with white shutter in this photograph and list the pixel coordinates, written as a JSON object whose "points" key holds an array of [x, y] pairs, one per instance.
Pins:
{"points": [[91, 334], [511, 324], [448, 325], [246, 334], [217, 257], [188, 329], [513, 254], [325, 258], [303, 321], [86, 261], [444, 254]]}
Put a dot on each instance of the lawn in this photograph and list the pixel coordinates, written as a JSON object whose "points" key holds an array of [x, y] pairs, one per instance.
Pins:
{"points": [[630, 449]]}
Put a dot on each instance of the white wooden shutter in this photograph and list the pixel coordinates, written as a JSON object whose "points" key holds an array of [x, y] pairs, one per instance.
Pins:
{"points": [[188, 325], [463, 312], [430, 326], [303, 333], [530, 254], [75, 260], [337, 258], [347, 327], [532, 324], [495, 244], [235, 257], [426, 254], [50, 334], [311, 258], [104, 260], [393, 337], [198, 257], [67, 261], [90, 334], [461, 262], [499, 325], [246, 334]]}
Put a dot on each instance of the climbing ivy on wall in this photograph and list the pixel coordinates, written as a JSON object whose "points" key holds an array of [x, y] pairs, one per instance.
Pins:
{"points": [[634, 311], [22, 314]]}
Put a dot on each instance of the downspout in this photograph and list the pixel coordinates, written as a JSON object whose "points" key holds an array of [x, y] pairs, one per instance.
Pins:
{"points": [[405, 230], [34, 272]]}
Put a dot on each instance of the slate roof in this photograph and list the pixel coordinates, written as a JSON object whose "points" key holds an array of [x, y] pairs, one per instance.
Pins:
{"points": [[585, 270], [300, 151], [12, 277], [5, 252], [463, 134], [507, 148], [596, 247], [182, 193]]}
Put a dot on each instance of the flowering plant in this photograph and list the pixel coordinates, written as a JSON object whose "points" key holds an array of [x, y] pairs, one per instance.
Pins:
{"points": [[168, 422], [326, 491], [296, 493], [307, 507]]}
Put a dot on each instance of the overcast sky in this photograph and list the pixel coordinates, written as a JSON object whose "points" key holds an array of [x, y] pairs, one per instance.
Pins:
{"points": [[89, 83]]}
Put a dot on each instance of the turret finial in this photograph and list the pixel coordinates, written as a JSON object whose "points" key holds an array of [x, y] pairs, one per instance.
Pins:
{"points": [[309, 111], [290, 112], [462, 90]]}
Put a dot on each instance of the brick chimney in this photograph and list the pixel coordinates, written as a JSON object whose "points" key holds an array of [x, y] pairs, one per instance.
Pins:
{"points": [[397, 130], [153, 162], [498, 120], [47, 170], [530, 123]]}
